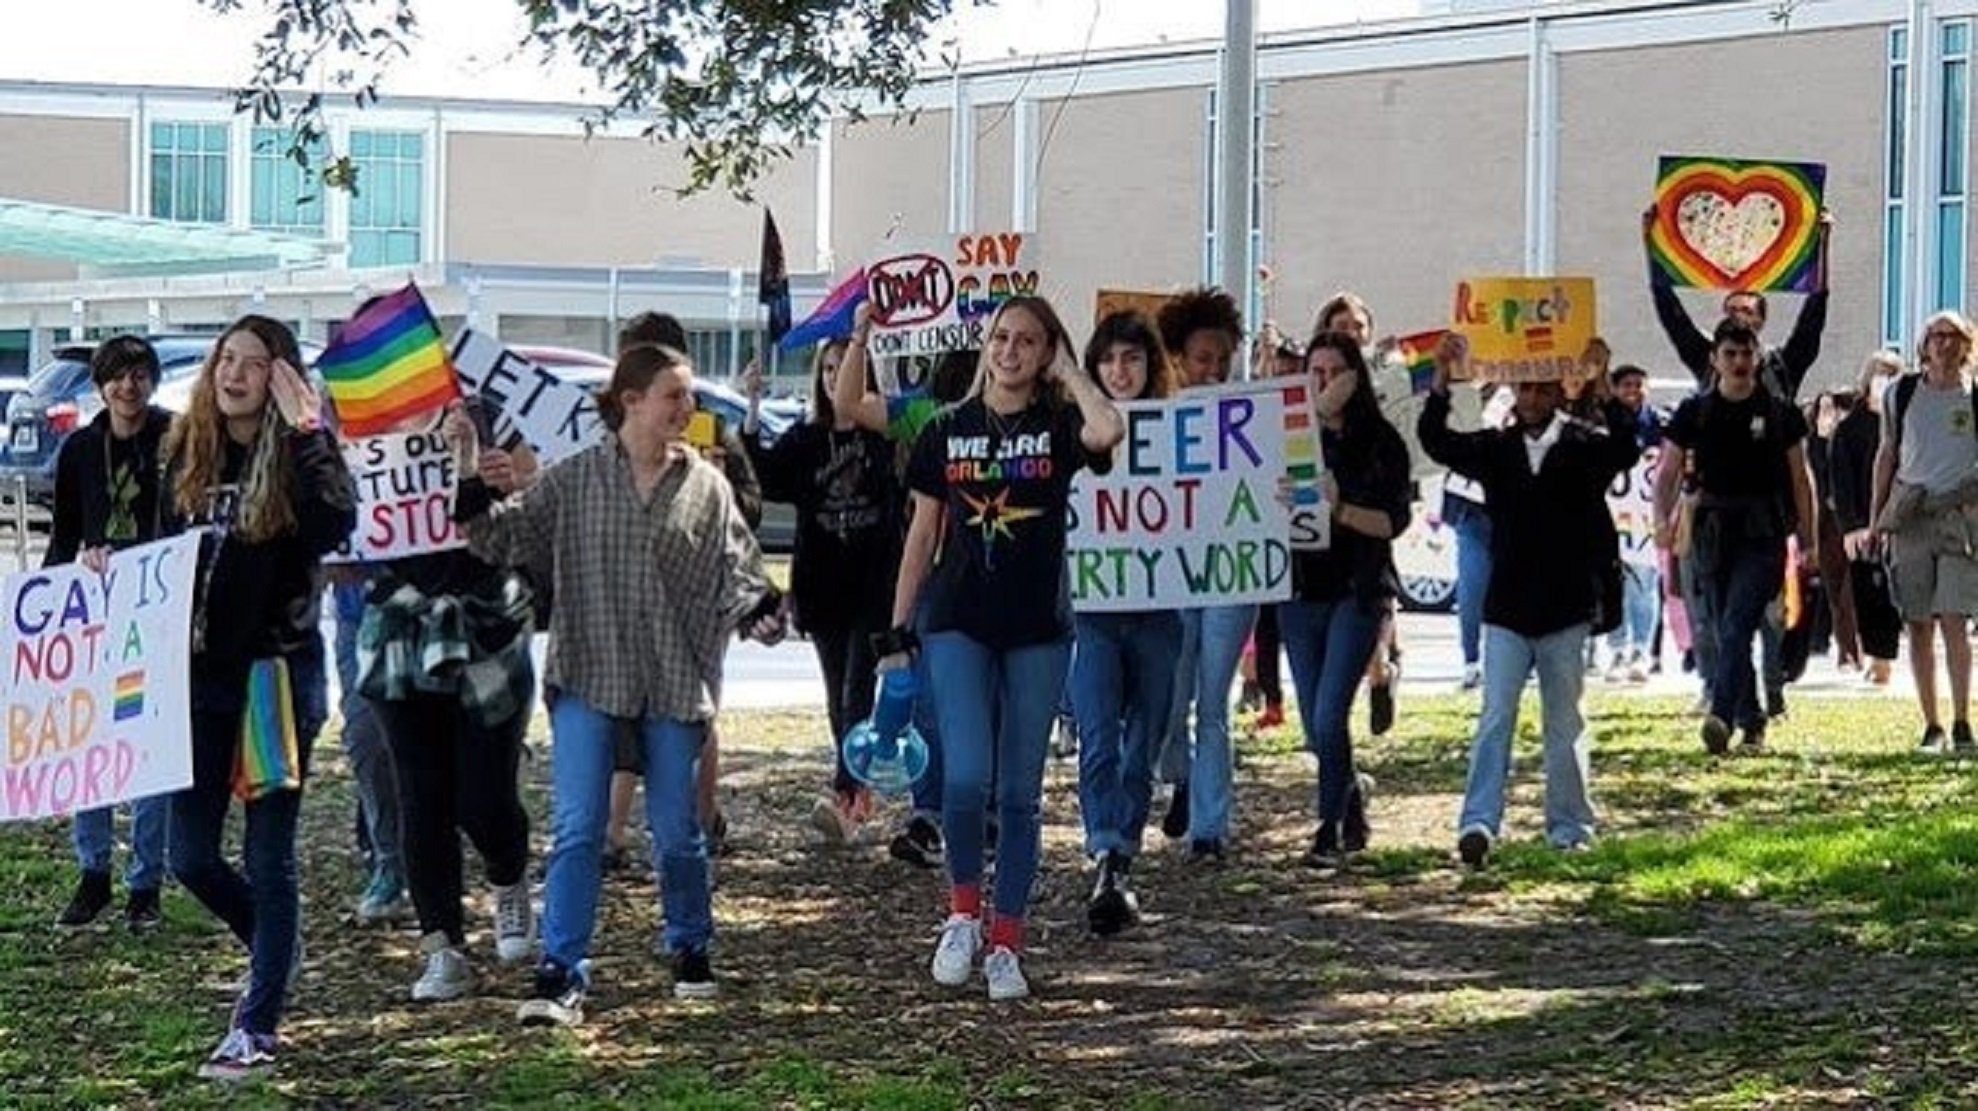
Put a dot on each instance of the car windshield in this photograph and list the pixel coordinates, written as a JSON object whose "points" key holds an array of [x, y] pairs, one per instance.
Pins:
{"points": [[58, 377]]}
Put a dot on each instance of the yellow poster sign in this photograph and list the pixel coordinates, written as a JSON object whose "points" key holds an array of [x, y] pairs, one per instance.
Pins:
{"points": [[1525, 329]]}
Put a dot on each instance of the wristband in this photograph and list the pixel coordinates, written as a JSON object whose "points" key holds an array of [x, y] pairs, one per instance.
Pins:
{"points": [[895, 641]]}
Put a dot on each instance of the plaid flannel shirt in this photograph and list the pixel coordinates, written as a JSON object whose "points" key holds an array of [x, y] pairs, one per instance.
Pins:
{"points": [[646, 592], [476, 648]]}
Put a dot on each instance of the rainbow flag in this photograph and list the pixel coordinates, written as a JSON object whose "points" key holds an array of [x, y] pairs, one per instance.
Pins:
{"points": [[129, 696], [266, 760], [388, 365], [832, 318], [1418, 354]]}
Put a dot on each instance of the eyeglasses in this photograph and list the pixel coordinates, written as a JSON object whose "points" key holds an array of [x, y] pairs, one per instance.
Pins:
{"points": [[1943, 333]]}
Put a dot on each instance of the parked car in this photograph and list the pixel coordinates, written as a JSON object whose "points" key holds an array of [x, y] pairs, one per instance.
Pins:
{"points": [[1425, 555]]}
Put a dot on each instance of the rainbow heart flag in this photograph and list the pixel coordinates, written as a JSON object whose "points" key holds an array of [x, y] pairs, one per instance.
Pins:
{"points": [[129, 696], [1418, 355], [832, 318], [266, 760], [388, 365], [1725, 224]]}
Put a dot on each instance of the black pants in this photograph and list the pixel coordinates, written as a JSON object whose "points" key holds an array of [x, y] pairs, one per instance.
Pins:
{"points": [[845, 654], [1268, 644], [455, 777], [1875, 616]]}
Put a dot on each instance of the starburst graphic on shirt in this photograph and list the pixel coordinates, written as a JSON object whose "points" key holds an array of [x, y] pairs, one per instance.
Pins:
{"points": [[994, 516]]}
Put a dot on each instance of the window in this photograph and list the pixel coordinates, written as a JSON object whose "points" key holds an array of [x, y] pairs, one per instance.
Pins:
{"points": [[189, 172], [1893, 170], [714, 353], [386, 208], [282, 195], [1953, 146]]}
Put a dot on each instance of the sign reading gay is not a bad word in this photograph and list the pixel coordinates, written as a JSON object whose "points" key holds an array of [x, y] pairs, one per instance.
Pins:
{"points": [[528, 403], [939, 297], [1190, 514], [405, 489], [96, 700], [1525, 329], [1720, 223]]}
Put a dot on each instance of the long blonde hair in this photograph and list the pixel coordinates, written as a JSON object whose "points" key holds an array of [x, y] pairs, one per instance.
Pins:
{"points": [[197, 444]]}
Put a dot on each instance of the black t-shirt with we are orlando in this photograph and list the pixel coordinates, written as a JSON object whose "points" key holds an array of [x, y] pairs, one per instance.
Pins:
{"points": [[1005, 481]]}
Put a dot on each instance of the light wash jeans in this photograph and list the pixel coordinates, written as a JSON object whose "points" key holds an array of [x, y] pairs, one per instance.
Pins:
{"points": [[996, 711], [1212, 642], [1641, 601], [1330, 644], [1509, 658], [580, 774], [1472, 580], [1122, 691], [95, 836], [365, 745]]}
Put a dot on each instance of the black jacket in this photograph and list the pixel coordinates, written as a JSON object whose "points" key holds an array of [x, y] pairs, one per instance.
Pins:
{"points": [[1552, 540], [84, 500], [1851, 467]]}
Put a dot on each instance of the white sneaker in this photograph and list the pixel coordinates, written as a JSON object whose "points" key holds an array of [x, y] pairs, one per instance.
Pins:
{"points": [[1638, 668], [447, 975], [515, 923], [1472, 676], [1005, 976], [1616, 671], [954, 957]]}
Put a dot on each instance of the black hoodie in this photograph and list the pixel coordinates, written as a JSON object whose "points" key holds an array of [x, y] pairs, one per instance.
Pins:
{"points": [[106, 489]]}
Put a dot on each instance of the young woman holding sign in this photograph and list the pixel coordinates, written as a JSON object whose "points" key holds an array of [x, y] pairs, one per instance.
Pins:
{"points": [[1340, 595], [991, 478], [1122, 674], [249, 463], [652, 567]]}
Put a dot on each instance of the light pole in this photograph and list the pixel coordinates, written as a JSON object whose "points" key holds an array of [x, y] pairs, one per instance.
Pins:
{"points": [[1236, 97]]}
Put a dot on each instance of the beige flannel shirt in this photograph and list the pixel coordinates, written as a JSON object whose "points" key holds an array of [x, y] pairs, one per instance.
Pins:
{"points": [[645, 594]]}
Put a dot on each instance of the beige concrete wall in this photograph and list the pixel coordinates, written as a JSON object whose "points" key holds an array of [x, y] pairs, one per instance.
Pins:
{"points": [[1808, 97], [1120, 196], [888, 171], [995, 166], [62, 160], [557, 201], [1395, 185]]}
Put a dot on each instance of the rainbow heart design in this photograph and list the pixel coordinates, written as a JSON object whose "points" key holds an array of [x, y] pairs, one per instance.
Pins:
{"points": [[1724, 224]]}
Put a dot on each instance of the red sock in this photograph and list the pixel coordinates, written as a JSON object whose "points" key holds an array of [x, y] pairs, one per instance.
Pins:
{"points": [[965, 899], [1006, 933]]}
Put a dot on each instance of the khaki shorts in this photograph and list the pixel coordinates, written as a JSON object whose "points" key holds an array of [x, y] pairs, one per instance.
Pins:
{"points": [[1934, 568]]}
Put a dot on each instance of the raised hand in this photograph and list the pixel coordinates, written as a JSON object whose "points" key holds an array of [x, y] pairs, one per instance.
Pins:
{"points": [[295, 399]]}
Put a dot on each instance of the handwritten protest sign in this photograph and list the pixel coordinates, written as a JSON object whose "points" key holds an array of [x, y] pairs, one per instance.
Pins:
{"points": [[1189, 515], [1525, 329], [1631, 499], [405, 488], [939, 298], [97, 706], [1725, 224], [529, 403]]}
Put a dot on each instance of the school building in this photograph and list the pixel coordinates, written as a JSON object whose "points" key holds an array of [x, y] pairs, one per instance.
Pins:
{"points": [[1393, 159]]}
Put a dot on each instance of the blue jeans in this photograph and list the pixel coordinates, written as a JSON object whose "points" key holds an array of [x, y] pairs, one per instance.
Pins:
{"points": [[580, 775], [95, 838], [1509, 658], [364, 741], [261, 908], [1016, 691], [927, 789], [1641, 601], [1472, 580], [1740, 576], [1122, 690], [1330, 644]]}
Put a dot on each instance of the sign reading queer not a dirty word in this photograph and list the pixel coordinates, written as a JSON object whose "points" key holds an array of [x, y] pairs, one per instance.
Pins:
{"points": [[405, 488], [1190, 514], [1525, 329], [528, 403], [96, 702], [939, 297]]}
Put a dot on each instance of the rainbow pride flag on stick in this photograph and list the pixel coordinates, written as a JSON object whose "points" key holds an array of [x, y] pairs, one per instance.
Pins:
{"points": [[1418, 354], [388, 365]]}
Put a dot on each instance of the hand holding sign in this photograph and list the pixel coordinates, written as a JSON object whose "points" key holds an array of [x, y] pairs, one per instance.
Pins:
{"points": [[497, 469], [1452, 360]]}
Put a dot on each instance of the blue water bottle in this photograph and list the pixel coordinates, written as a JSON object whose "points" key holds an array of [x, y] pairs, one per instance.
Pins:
{"points": [[886, 753]]}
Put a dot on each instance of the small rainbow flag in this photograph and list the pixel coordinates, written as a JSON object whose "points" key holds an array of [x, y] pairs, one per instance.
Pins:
{"points": [[388, 365], [832, 318], [266, 760], [129, 696], [1418, 354]]}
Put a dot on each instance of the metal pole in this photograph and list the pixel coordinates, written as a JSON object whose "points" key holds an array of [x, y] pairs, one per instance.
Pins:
{"points": [[20, 522], [1235, 108], [1916, 139]]}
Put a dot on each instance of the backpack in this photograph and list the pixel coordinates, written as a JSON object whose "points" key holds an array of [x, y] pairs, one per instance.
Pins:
{"points": [[1906, 392]]}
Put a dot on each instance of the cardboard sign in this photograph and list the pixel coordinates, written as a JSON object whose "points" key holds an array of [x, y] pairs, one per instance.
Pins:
{"points": [[1632, 501], [97, 703], [1725, 224], [1189, 516], [405, 489], [940, 298], [530, 404], [1525, 329]]}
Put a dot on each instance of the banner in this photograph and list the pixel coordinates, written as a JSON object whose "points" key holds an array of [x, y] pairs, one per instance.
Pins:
{"points": [[1190, 514], [97, 705], [1725, 224], [1631, 499], [1525, 329], [939, 299], [405, 489], [528, 403]]}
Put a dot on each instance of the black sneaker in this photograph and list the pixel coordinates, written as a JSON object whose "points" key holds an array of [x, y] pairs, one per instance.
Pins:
{"points": [[1175, 823], [142, 912], [1961, 741], [1775, 702], [1754, 739], [1933, 740], [1206, 850], [1325, 851], [557, 999], [693, 976], [1111, 907], [91, 899], [1716, 735], [1474, 848], [919, 844]]}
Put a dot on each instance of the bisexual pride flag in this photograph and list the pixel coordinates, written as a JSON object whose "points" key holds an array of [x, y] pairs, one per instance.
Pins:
{"points": [[387, 365], [833, 318]]}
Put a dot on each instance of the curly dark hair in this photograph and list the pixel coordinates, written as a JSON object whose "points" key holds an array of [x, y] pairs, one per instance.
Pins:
{"points": [[1203, 309]]}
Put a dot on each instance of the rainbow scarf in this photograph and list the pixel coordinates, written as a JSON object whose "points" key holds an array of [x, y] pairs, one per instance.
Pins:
{"points": [[1418, 355], [1724, 224], [832, 318], [388, 365], [266, 761]]}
